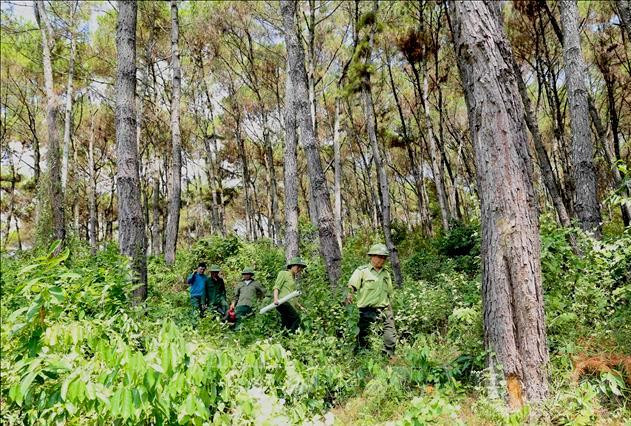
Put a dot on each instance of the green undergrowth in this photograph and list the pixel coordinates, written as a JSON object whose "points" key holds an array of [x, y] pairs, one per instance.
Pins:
{"points": [[75, 350]]}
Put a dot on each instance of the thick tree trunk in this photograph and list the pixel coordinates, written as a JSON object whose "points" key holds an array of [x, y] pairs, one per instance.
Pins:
{"points": [[584, 170], [329, 248], [55, 192], [92, 190], [291, 174], [131, 227], [68, 117], [173, 218], [514, 327], [371, 127]]}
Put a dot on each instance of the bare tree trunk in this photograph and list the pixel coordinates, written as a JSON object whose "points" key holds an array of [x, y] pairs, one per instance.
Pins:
{"points": [[131, 227], [329, 248], [416, 172], [17, 232], [437, 168], [584, 170], [624, 12], [210, 173], [68, 118], [625, 207], [92, 189], [273, 221], [371, 127], [55, 191], [311, 64], [75, 207], [291, 174], [549, 179], [173, 218], [514, 327], [156, 240], [12, 196], [337, 182]]}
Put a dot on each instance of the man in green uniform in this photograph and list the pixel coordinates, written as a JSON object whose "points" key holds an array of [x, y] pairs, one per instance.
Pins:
{"points": [[373, 285], [285, 284], [247, 290], [216, 291]]}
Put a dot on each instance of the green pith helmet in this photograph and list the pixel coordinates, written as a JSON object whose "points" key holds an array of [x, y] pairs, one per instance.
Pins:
{"points": [[297, 260], [378, 250], [247, 271], [214, 268]]}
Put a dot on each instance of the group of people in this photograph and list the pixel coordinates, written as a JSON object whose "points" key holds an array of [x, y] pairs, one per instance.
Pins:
{"points": [[370, 285]]}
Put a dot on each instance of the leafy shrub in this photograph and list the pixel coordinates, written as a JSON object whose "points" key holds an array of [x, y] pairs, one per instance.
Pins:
{"points": [[461, 240]]}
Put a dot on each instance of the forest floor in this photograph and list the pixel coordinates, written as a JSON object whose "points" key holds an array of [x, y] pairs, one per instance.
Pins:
{"points": [[75, 351]]}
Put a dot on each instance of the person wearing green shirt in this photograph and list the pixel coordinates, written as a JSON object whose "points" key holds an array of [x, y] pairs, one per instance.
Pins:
{"points": [[216, 291], [245, 294], [373, 286], [284, 285]]}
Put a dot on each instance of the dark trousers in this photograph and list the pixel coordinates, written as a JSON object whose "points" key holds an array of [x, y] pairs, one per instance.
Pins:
{"points": [[367, 316], [197, 307], [242, 312], [288, 316]]}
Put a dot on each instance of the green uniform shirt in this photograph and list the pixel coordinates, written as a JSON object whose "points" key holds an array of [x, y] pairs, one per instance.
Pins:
{"points": [[374, 288], [246, 293], [285, 284], [215, 291]]}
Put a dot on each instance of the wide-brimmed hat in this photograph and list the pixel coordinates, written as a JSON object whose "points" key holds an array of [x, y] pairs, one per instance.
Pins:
{"points": [[297, 260], [214, 268], [249, 271], [378, 250]]}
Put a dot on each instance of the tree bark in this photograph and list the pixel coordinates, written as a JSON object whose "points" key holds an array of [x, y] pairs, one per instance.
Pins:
{"points": [[92, 190], [624, 13], [584, 170], [337, 180], [156, 240], [512, 296], [173, 217], [549, 179], [416, 172], [55, 192], [437, 168], [68, 117], [618, 179], [371, 127], [131, 227], [291, 174], [329, 248]]}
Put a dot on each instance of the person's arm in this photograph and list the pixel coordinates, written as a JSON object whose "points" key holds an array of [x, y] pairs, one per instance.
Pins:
{"points": [[278, 285], [191, 278], [236, 296], [207, 293], [260, 290], [390, 294], [354, 284]]}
